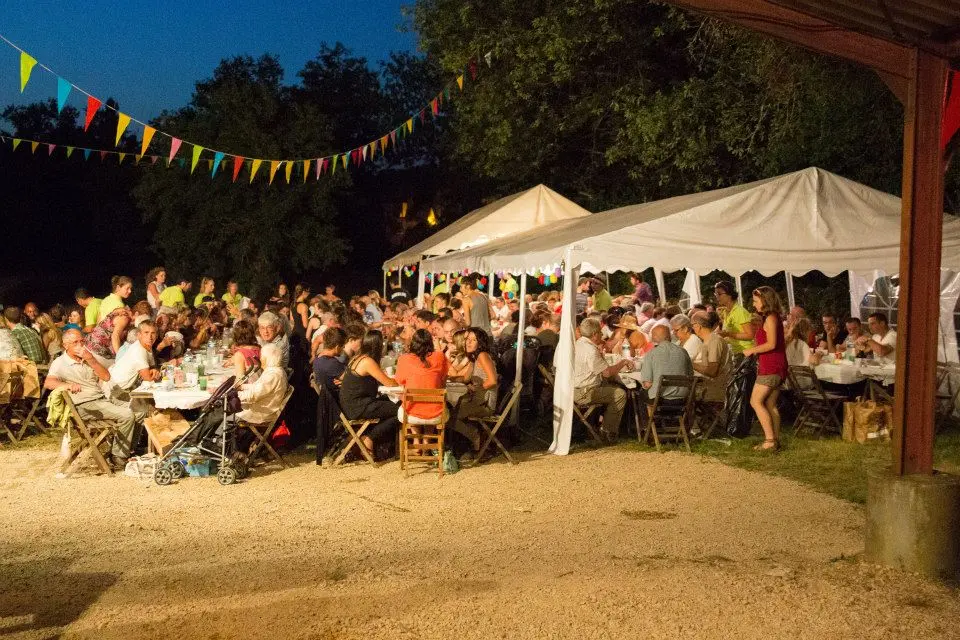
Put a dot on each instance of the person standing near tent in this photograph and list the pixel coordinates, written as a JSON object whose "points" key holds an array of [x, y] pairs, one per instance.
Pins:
{"points": [[770, 349], [476, 305], [641, 290], [509, 285], [737, 328]]}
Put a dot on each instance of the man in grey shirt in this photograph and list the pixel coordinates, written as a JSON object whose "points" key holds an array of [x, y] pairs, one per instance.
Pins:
{"points": [[81, 373], [666, 359]]}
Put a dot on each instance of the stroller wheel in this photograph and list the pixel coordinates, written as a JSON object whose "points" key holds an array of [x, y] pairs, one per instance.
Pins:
{"points": [[176, 469], [226, 475], [162, 476]]}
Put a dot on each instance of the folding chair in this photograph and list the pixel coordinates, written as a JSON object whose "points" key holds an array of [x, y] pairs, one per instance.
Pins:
{"points": [[262, 432], [818, 408], [421, 440], [92, 435], [709, 415], [11, 383], [582, 411], [492, 424], [355, 430], [25, 399], [669, 417]]}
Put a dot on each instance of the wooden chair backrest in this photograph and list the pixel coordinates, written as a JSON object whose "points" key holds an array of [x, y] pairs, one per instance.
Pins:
{"points": [[423, 396], [804, 379], [677, 382]]}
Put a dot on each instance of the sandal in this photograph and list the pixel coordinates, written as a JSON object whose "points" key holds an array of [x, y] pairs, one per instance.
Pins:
{"points": [[767, 445]]}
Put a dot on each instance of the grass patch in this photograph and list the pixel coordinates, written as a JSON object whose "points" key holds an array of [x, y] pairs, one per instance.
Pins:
{"points": [[829, 465]]}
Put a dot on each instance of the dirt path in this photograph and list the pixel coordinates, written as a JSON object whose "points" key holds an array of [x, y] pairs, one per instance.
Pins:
{"points": [[600, 544]]}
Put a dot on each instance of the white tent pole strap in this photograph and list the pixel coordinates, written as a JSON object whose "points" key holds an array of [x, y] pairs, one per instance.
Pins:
{"points": [[385, 285], [521, 334], [433, 282], [563, 382], [661, 287], [791, 300], [421, 285]]}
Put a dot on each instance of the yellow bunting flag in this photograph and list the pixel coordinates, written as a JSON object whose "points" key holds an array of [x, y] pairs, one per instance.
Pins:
{"points": [[306, 169], [383, 144], [196, 157], [403, 210], [289, 170], [147, 137], [333, 170], [137, 157], [460, 82], [254, 168], [274, 165], [27, 62], [122, 156], [432, 218], [410, 125], [123, 121], [16, 143], [69, 151], [33, 147]]}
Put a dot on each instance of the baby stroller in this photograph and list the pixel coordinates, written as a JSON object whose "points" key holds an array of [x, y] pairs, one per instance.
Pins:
{"points": [[202, 442]]}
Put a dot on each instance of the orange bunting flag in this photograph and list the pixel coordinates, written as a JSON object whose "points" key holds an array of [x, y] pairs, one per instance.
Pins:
{"points": [[197, 150], [33, 147], [289, 170], [16, 143], [460, 82], [147, 137], [383, 144], [403, 210], [237, 164], [435, 106], [274, 165], [93, 105], [254, 168], [27, 62], [123, 121], [306, 169]]}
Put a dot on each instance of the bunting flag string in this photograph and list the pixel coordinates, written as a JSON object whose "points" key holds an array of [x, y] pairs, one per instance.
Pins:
{"points": [[359, 155]]}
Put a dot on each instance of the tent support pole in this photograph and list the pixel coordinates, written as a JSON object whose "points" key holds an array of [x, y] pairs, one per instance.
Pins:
{"points": [[521, 326], [791, 300], [739, 289], [385, 285], [490, 284]]}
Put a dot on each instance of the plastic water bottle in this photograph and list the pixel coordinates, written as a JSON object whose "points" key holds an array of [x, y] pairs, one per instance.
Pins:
{"points": [[625, 350], [851, 352], [211, 349]]}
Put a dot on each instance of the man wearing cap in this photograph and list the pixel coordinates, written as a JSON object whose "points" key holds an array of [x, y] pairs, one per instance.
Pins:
{"points": [[737, 327]]}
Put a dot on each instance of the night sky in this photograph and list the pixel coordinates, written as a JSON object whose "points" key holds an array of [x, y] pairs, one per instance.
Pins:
{"points": [[149, 54]]}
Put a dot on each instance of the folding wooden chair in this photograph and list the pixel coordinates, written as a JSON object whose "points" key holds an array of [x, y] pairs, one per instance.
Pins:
{"points": [[582, 411], [818, 408], [491, 425], [421, 440], [709, 415], [25, 400], [11, 382], [262, 432], [671, 418], [92, 435], [355, 430]]}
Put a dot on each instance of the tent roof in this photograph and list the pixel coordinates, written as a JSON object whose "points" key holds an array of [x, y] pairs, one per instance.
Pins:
{"points": [[797, 222], [507, 216]]}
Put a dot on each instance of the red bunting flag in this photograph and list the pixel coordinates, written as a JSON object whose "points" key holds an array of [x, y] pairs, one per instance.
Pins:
{"points": [[237, 165], [393, 137], [435, 106], [92, 106], [473, 69], [103, 155], [423, 116]]}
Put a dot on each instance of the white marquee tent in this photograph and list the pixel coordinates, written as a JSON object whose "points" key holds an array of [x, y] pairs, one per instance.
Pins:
{"points": [[799, 222]]}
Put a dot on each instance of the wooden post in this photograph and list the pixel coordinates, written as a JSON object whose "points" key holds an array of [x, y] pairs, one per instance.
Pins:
{"points": [[918, 312]]}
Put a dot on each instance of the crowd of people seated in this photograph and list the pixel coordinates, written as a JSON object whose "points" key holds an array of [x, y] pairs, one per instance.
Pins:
{"points": [[101, 349]]}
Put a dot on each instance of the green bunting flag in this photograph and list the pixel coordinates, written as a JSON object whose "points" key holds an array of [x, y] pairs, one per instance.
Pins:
{"points": [[197, 150]]}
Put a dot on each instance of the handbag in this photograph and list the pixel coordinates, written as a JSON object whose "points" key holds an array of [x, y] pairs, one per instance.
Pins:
{"points": [[233, 402]]}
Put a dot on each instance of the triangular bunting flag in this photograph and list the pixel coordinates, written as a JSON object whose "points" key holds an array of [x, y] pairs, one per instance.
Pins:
{"points": [[69, 151], [182, 162], [93, 105], [254, 168], [320, 162], [209, 164], [148, 132], [364, 152], [103, 155], [174, 147], [423, 116], [383, 144], [488, 56], [217, 159], [86, 154], [289, 170], [460, 81], [435, 106], [33, 147], [122, 156], [306, 169], [123, 121], [334, 169], [472, 65], [197, 150], [446, 94], [50, 148], [26, 66], [153, 159], [63, 90], [16, 143], [403, 209], [137, 157], [432, 218], [393, 137], [237, 164], [274, 165]]}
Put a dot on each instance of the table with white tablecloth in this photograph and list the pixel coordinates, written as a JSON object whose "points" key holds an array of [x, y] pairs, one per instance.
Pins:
{"points": [[851, 373]]}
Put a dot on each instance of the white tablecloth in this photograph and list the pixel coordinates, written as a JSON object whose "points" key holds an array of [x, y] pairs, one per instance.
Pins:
{"points": [[191, 398], [852, 373]]}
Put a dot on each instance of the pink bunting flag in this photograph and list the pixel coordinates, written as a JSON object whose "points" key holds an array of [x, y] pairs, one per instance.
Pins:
{"points": [[174, 147], [50, 148]]}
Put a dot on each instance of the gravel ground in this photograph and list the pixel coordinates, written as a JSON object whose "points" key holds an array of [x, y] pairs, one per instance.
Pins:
{"points": [[601, 544]]}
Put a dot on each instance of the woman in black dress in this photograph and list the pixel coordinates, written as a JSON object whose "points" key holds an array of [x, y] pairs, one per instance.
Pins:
{"points": [[358, 391]]}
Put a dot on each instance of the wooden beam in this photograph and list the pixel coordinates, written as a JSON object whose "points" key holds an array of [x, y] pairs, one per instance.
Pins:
{"points": [[809, 32], [920, 246]]}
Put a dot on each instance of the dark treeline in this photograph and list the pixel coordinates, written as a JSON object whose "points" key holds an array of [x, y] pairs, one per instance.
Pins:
{"points": [[610, 102]]}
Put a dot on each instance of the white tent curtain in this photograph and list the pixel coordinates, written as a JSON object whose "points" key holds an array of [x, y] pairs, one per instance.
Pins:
{"points": [[421, 285], [691, 287], [949, 293], [563, 360], [661, 287]]}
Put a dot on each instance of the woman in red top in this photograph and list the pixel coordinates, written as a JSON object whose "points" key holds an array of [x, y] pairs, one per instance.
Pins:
{"points": [[422, 368], [770, 347]]}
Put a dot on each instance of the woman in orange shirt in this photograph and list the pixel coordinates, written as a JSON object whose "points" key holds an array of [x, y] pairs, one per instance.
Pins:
{"points": [[422, 368]]}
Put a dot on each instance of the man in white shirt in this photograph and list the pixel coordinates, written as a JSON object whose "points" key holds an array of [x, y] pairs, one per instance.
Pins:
{"points": [[883, 344], [136, 363], [591, 374]]}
